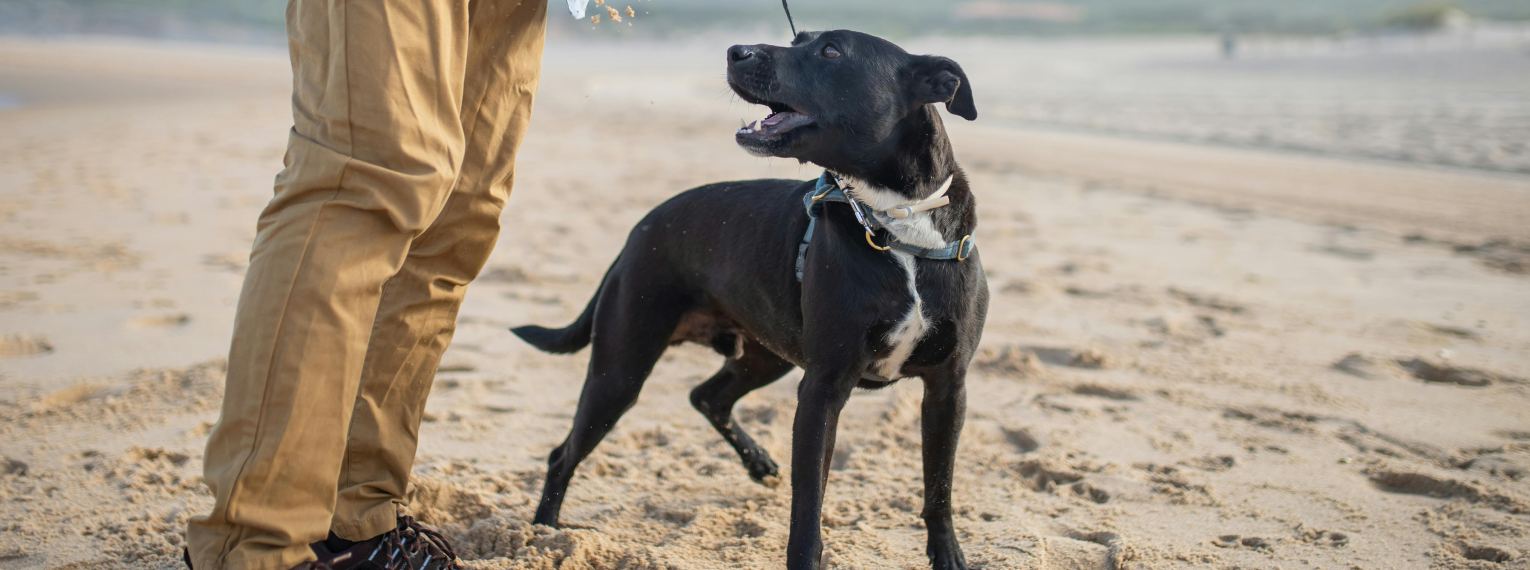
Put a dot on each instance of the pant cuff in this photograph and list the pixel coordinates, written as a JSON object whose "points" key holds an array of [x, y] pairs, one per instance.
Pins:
{"points": [[371, 522], [284, 559]]}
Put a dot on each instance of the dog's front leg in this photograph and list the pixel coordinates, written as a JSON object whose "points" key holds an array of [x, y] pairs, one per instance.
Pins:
{"points": [[820, 398], [944, 411]]}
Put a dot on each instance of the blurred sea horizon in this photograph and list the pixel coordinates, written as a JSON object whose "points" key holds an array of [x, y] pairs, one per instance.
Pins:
{"points": [[1431, 83], [262, 21]]}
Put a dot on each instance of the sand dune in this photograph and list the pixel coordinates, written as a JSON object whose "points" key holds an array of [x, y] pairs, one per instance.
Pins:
{"points": [[1195, 357]]}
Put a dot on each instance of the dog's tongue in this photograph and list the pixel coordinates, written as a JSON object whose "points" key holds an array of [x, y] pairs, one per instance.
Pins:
{"points": [[776, 118], [775, 124], [784, 121]]}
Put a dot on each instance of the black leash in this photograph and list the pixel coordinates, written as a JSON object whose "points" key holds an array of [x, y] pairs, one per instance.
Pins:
{"points": [[789, 17]]}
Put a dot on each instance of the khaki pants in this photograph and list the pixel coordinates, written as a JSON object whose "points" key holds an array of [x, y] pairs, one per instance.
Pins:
{"points": [[407, 117]]}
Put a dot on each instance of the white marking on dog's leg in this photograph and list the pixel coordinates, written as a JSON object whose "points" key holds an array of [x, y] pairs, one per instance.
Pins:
{"points": [[906, 334]]}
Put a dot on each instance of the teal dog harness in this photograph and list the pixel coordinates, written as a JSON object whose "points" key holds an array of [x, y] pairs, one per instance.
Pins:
{"points": [[830, 190]]}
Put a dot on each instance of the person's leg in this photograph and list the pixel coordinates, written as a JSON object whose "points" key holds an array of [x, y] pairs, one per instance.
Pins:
{"points": [[418, 313], [372, 156]]}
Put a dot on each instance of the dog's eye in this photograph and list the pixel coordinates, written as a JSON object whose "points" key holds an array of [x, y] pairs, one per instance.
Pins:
{"points": [[830, 51]]}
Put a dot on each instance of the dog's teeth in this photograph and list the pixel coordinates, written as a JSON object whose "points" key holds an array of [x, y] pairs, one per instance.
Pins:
{"points": [[742, 124]]}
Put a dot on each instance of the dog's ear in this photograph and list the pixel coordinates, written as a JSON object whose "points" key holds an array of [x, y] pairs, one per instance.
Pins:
{"points": [[935, 79]]}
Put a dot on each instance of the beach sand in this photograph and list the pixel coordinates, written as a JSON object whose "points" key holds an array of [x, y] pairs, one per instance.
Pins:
{"points": [[1196, 356]]}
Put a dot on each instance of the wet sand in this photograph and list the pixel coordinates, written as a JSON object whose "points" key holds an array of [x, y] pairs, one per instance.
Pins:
{"points": [[1196, 356]]}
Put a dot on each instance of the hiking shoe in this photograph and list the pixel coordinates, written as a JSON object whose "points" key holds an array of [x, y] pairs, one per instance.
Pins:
{"points": [[411, 546], [352, 557]]}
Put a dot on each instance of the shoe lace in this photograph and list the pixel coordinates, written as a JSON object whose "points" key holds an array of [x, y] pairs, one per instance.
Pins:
{"points": [[428, 535], [403, 543]]}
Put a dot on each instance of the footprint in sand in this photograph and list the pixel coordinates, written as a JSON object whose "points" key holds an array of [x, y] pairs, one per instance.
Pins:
{"points": [[1213, 463], [1021, 438], [1236, 541], [1447, 374], [1107, 392], [1516, 435], [1212, 302], [1083, 293], [842, 455], [1488, 553], [1192, 330], [1322, 537], [748, 526], [71, 395], [1496, 466], [1377, 368], [1369, 367], [233, 262], [1445, 330], [1087, 358], [1504, 256], [1046, 476], [1091, 492], [1351, 253], [10, 466], [1011, 361], [162, 321], [17, 346], [1413, 483], [1063, 553]]}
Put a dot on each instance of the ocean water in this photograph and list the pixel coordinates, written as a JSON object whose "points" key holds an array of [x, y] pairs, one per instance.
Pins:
{"points": [[1454, 103]]}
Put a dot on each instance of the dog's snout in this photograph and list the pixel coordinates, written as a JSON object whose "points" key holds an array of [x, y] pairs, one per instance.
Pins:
{"points": [[740, 53]]}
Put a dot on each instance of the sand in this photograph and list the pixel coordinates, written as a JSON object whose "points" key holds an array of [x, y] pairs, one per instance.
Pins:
{"points": [[1196, 357]]}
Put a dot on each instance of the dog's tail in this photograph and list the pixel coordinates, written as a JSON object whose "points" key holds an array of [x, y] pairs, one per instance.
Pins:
{"points": [[567, 340]]}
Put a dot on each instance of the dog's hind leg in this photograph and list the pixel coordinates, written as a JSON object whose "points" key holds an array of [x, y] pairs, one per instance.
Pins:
{"points": [[632, 328], [715, 399]]}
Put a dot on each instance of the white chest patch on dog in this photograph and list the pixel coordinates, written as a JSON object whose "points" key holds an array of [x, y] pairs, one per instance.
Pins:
{"points": [[905, 335], [917, 229]]}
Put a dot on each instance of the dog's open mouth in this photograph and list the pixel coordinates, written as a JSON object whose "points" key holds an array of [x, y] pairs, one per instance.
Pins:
{"points": [[782, 120]]}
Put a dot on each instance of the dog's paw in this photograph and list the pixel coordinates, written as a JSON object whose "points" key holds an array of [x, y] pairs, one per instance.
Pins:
{"points": [[762, 468], [946, 555], [952, 560]]}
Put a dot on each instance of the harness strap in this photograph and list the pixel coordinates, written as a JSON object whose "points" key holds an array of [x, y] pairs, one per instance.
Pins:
{"points": [[829, 190]]}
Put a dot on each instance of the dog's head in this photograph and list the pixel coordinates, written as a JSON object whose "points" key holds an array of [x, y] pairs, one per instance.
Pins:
{"points": [[842, 99]]}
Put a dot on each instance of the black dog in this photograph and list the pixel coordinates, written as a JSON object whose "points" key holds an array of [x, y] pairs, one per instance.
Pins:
{"points": [[872, 297]]}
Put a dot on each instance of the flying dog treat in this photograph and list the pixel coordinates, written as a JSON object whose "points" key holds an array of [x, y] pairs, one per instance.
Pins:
{"points": [[631, 12], [615, 16], [595, 19], [599, 2]]}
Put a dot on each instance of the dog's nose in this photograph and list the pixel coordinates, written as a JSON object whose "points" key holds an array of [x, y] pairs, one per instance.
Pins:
{"points": [[740, 53]]}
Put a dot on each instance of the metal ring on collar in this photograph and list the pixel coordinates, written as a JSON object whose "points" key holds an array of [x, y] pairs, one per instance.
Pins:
{"points": [[874, 244], [962, 246]]}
